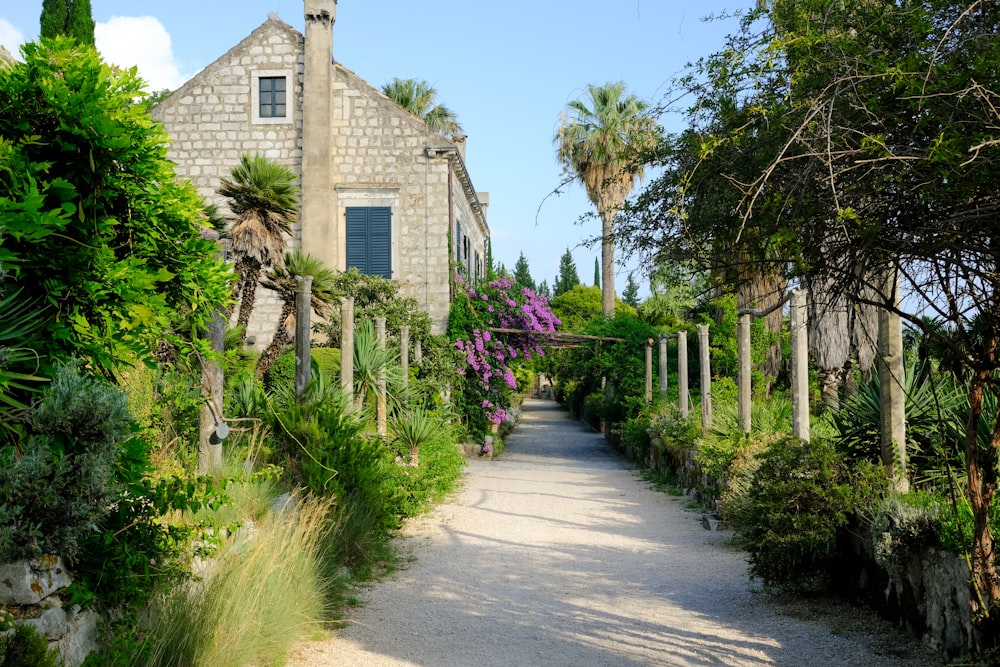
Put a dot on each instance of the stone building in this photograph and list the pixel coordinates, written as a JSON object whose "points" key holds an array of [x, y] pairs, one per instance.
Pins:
{"points": [[379, 190]]}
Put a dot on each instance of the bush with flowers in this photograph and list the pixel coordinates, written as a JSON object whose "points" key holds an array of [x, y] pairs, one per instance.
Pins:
{"points": [[488, 357]]}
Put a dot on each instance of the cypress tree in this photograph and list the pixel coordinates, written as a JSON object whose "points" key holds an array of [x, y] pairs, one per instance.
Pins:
{"points": [[80, 23], [67, 17], [53, 19], [597, 272]]}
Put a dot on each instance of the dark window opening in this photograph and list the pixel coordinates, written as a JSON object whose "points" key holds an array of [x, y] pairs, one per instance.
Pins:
{"points": [[272, 97]]}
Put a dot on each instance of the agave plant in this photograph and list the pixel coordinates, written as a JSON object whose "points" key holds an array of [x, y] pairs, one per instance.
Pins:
{"points": [[932, 415], [371, 360], [414, 428]]}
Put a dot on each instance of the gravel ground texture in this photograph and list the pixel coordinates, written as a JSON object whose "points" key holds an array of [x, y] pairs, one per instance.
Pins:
{"points": [[558, 553]]}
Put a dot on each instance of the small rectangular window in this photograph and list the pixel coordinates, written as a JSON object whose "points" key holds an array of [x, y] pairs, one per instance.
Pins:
{"points": [[272, 96]]}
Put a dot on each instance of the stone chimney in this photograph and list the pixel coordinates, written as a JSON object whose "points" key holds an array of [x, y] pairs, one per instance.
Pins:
{"points": [[318, 219]]}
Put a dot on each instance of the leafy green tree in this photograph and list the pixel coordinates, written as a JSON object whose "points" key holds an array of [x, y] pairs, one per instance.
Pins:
{"points": [[674, 290], [602, 142], [96, 229], [577, 306], [375, 296], [262, 196], [68, 17], [420, 99], [567, 278], [282, 280], [862, 135], [522, 274], [157, 96]]}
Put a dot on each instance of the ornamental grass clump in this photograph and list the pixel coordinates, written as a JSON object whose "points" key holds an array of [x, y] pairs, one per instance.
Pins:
{"points": [[261, 594]]}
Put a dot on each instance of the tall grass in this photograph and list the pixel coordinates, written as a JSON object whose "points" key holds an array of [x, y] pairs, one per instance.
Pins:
{"points": [[263, 592]]}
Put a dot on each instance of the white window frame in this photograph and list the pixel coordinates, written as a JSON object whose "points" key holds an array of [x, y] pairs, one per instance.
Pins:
{"points": [[290, 97]]}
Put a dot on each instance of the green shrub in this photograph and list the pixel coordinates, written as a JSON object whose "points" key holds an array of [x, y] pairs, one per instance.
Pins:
{"points": [[800, 499], [282, 373], [26, 647], [354, 538], [593, 409], [411, 430], [321, 437], [434, 472], [56, 486], [902, 526], [635, 438]]}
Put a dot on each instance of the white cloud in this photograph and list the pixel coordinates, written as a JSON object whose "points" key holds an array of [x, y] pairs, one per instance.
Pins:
{"points": [[140, 41], [10, 37]]}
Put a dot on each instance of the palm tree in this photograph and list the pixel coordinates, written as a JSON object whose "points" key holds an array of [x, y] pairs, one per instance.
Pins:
{"points": [[418, 97], [262, 196], [282, 280], [599, 143]]}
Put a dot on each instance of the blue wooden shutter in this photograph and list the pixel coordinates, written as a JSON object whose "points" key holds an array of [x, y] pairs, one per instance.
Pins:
{"points": [[369, 240], [380, 241]]}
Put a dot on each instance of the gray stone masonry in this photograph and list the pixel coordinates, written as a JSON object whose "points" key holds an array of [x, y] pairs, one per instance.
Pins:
{"points": [[379, 155]]}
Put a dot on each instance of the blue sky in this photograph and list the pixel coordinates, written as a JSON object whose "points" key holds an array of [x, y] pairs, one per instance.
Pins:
{"points": [[507, 69]]}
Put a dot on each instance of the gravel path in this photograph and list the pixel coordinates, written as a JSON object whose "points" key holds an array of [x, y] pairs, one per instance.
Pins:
{"points": [[559, 554]]}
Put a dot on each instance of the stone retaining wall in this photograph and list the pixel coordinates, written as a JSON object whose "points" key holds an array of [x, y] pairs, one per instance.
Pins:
{"points": [[32, 587], [927, 592]]}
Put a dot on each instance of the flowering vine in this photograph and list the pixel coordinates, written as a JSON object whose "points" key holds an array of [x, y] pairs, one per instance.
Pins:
{"points": [[488, 357]]}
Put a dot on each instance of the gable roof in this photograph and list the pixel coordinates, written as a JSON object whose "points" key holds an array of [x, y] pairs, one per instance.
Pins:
{"points": [[272, 23]]}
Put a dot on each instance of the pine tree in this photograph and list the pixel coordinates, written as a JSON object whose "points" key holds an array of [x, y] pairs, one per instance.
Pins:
{"points": [[631, 293], [597, 272], [543, 289], [567, 278], [522, 275]]}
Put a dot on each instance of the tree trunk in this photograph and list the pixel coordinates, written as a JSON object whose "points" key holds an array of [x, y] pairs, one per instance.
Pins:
{"points": [[864, 333], [247, 298], [829, 338], [280, 340], [761, 291], [234, 296], [981, 467], [607, 264]]}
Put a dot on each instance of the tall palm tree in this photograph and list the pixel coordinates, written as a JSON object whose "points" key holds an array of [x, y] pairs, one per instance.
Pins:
{"points": [[599, 143], [419, 98], [262, 195], [282, 280]]}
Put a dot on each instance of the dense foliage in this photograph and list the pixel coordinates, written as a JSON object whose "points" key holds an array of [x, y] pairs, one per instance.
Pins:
{"points": [[495, 327], [96, 230]]}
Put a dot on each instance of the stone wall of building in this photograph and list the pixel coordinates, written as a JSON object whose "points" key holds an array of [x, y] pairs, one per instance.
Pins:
{"points": [[385, 156], [212, 122], [380, 155]]}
